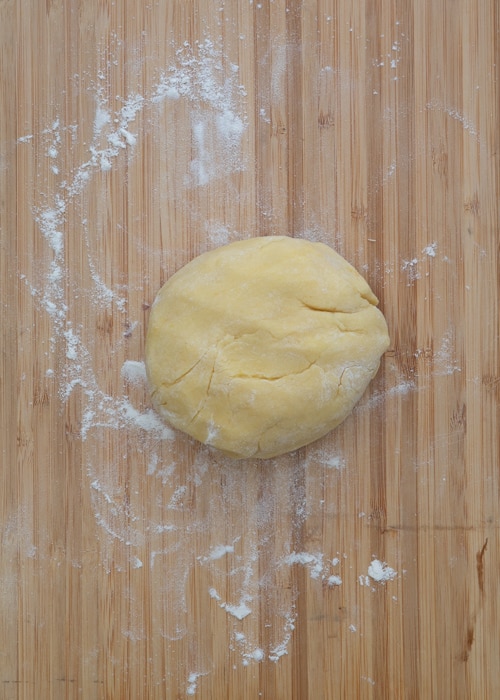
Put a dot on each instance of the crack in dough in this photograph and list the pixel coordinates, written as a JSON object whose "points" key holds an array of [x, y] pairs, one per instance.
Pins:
{"points": [[272, 379], [324, 310]]}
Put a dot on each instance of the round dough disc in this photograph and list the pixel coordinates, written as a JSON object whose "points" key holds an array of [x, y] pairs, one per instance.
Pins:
{"points": [[264, 345]]}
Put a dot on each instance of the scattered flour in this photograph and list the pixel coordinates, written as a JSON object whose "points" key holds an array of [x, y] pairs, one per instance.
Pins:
{"points": [[318, 568], [257, 654], [208, 83], [413, 267], [444, 359]]}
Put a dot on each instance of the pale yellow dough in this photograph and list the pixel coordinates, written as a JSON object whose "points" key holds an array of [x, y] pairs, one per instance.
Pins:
{"points": [[264, 345]]}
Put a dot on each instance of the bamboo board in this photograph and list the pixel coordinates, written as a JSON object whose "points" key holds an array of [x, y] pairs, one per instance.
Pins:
{"points": [[138, 564]]}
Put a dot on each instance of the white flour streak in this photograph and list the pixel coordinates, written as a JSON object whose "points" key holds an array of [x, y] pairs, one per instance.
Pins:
{"points": [[102, 117], [368, 679], [51, 221], [278, 71], [402, 388], [444, 359], [384, 177], [114, 516], [101, 295], [192, 683], [107, 143], [54, 144], [218, 552], [202, 166], [391, 170], [319, 456], [281, 649], [314, 562], [118, 413], [466, 123], [216, 134], [72, 344]]}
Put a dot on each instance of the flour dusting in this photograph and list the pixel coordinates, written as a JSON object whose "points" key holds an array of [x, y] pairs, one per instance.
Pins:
{"points": [[402, 388], [444, 358], [163, 544], [327, 458], [217, 124]]}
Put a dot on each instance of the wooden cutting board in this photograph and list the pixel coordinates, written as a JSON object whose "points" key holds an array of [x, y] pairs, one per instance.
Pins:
{"points": [[136, 563]]}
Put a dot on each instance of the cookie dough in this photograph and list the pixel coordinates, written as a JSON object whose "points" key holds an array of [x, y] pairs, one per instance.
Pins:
{"points": [[264, 345]]}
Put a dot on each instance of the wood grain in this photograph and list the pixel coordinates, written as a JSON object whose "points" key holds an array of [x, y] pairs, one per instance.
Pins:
{"points": [[370, 125]]}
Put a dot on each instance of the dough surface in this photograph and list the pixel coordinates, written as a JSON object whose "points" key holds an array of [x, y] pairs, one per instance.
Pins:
{"points": [[264, 345]]}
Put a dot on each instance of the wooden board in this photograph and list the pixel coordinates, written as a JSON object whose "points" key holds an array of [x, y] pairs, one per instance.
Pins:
{"points": [[138, 564]]}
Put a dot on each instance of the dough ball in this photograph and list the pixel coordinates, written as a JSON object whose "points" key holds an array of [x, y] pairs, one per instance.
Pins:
{"points": [[264, 345]]}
